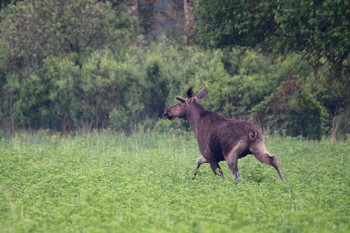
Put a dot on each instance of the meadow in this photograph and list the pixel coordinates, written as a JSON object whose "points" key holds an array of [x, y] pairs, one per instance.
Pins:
{"points": [[107, 182]]}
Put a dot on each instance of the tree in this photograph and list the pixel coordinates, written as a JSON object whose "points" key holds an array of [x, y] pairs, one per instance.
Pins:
{"points": [[34, 30], [3, 3], [318, 30], [189, 21]]}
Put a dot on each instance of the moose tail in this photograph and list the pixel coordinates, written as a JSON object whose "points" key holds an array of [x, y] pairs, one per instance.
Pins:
{"points": [[252, 135]]}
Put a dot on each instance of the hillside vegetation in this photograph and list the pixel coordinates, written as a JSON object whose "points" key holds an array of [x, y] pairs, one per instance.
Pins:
{"points": [[84, 65]]}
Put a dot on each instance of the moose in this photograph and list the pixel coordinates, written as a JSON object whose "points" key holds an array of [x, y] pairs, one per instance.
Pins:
{"points": [[220, 138]]}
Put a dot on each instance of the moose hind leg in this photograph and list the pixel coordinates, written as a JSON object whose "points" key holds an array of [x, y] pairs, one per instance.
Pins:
{"points": [[232, 163], [260, 152], [270, 160], [274, 163], [232, 158], [200, 160]]}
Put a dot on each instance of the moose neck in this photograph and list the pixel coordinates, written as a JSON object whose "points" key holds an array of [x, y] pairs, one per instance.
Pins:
{"points": [[194, 117]]}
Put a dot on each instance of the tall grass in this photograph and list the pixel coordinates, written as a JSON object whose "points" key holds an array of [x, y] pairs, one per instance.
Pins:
{"points": [[113, 183]]}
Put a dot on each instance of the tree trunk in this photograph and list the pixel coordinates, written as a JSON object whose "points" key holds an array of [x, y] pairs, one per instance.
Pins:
{"points": [[134, 7], [7, 118], [189, 21]]}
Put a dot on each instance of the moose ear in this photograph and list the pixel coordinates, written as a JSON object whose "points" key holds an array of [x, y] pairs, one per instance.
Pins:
{"points": [[182, 100], [202, 93], [190, 92]]}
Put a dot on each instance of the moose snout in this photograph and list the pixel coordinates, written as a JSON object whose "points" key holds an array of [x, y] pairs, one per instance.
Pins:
{"points": [[168, 115]]}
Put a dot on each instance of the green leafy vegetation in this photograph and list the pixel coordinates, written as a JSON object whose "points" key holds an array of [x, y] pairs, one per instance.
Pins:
{"points": [[317, 30], [90, 64], [69, 69], [109, 182]]}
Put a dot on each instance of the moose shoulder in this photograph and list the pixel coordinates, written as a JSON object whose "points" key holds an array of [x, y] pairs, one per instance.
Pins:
{"points": [[220, 138]]}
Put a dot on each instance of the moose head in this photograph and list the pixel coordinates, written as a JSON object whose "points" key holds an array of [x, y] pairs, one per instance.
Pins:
{"points": [[183, 109]]}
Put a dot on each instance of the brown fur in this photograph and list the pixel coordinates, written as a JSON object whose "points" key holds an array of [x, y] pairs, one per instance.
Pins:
{"points": [[220, 138]]}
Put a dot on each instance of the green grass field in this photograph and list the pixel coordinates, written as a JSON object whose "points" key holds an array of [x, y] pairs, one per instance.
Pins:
{"points": [[112, 183]]}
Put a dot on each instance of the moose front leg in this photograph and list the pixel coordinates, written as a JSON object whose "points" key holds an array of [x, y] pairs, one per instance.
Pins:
{"points": [[215, 167], [200, 160]]}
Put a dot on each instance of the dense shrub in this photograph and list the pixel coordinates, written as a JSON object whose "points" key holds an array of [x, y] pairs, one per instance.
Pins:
{"points": [[104, 90]]}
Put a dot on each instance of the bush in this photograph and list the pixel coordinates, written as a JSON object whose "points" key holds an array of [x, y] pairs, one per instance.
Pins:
{"points": [[103, 90]]}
